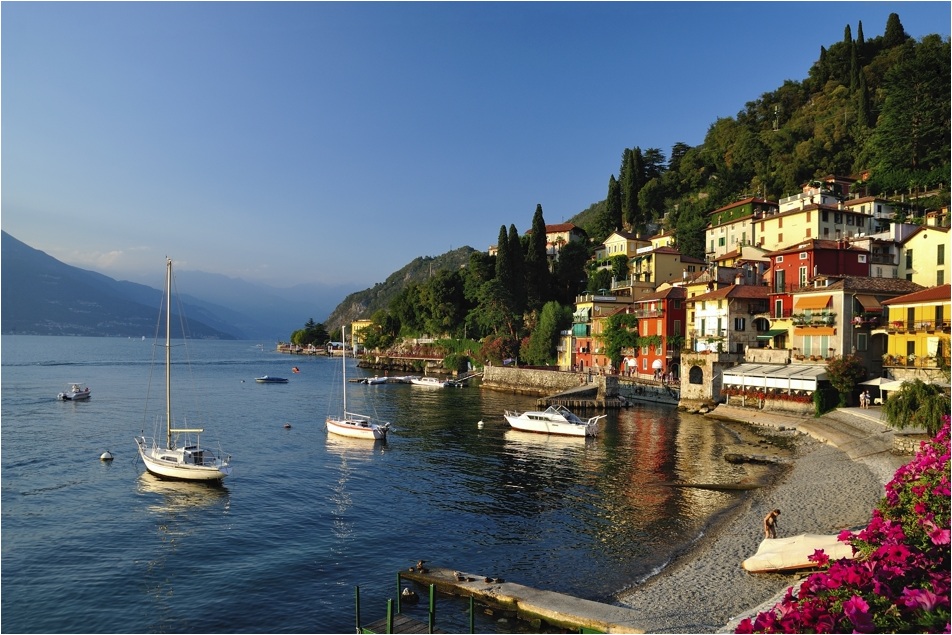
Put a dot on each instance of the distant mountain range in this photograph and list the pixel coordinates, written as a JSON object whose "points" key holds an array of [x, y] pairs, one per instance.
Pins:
{"points": [[40, 295]]}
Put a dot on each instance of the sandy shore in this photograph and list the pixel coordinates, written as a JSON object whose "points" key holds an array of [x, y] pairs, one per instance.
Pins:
{"points": [[824, 492]]}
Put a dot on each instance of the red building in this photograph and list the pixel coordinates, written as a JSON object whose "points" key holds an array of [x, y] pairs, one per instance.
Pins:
{"points": [[794, 267], [661, 318]]}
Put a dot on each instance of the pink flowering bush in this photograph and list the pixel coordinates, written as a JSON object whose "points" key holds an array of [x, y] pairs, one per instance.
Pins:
{"points": [[898, 581]]}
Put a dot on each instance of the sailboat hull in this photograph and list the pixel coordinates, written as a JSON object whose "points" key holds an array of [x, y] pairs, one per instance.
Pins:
{"points": [[356, 429], [181, 463]]}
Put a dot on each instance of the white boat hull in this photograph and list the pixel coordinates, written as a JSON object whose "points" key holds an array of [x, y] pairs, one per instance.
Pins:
{"points": [[74, 392], [430, 382], [554, 420], [181, 464], [357, 428]]}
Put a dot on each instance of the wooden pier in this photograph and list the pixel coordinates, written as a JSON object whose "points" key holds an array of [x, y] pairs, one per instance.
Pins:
{"points": [[529, 604]]}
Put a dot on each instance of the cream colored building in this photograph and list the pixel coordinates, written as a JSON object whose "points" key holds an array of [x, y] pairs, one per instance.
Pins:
{"points": [[620, 244], [924, 256], [734, 225]]}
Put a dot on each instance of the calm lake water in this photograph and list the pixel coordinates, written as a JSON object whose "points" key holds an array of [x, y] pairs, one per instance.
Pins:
{"points": [[89, 546]]}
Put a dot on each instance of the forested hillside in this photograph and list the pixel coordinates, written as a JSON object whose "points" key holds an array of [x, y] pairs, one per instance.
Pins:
{"points": [[875, 109]]}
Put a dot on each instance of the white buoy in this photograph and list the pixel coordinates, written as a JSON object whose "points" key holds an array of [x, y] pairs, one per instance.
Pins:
{"points": [[479, 424], [105, 456]]}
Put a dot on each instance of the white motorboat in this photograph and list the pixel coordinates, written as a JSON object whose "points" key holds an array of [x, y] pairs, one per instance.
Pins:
{"points": [[188, 460], [75, 391], [351, 424], [375, 380], [432, 382], [554, 420]]}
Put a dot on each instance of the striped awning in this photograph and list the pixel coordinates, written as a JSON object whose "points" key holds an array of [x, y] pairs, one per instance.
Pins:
{"points": [[870, 303], [812, 302]]}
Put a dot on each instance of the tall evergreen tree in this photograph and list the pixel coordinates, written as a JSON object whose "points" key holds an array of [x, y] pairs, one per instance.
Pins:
{"points": [[537, 264], [517, 264], [504, 272], [895, 35], [863, 114], [612, 218], [854, 68]]}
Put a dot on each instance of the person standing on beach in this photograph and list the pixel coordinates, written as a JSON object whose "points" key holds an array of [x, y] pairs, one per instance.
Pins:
{"points": [[770, 524]]}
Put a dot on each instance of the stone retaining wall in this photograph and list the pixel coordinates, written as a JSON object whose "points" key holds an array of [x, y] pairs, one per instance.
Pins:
{"points": [[908, 443], [538, 383]]}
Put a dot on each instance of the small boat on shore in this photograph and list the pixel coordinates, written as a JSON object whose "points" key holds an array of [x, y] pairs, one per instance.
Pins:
{"points": [[554, 420], [266, 379], [793, 554], [375, 380], [75, 391]]}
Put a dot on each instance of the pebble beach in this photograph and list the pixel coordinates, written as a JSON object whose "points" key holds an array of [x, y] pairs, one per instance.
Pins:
{"points": [[836, 478]]}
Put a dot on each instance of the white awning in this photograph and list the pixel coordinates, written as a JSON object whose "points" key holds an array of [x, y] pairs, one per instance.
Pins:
{"points": [[783, 376]]}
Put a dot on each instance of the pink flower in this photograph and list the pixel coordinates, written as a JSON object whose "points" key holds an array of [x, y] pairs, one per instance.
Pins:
{"points": [[919, 599], [939, 536], [819, 557], [857, 610]]}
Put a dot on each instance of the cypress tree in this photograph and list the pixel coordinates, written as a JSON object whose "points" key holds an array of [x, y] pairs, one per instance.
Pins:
{"points": [[895, 35], [854, 69], [626, 179], [863, 115], [517, 265], [504, 272], [537, 264], [613, 215]]}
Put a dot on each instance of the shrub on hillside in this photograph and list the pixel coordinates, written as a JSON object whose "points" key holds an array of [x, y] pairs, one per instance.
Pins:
{"points": [[898, 581]]}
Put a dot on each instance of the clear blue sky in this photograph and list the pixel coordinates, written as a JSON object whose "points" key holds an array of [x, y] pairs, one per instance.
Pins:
{"points": [[335, 142]]}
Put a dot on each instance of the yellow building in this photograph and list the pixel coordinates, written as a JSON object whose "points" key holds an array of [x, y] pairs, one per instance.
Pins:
{"points": [[924, 256], [621, 244], [917, 325], [355, 328]]}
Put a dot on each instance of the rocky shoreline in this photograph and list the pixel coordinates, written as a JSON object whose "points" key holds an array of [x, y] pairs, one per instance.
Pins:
{"points": [[831, 485]]}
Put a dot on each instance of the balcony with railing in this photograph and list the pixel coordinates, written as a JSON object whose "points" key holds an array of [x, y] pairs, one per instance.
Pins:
{"points": [[819, 318], [917, 326], [916, 361], [867, 320]]}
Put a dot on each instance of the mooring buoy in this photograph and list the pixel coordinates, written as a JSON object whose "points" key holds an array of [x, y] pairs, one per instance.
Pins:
{"points": [[105, 456]]}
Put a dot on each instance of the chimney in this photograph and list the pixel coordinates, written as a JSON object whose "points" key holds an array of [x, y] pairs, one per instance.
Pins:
{"points": [[739, 278]]}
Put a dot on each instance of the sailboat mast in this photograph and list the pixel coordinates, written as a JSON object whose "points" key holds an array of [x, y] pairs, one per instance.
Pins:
{"points": [[168, 353], [343, 361]]}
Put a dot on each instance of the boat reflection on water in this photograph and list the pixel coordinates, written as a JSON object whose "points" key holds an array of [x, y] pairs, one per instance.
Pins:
{"points": [[547, 445], [181, 496], [350, 448]]}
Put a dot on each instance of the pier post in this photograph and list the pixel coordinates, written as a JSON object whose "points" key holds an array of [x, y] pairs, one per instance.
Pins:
{"points": [[431, 620]]}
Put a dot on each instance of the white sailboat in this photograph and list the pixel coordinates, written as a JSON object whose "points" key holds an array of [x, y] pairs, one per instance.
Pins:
{"points": [[188, 461], [351, 424]]}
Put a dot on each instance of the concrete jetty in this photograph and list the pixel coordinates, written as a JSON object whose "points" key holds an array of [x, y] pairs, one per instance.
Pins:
{"points": [[528, 603]]}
